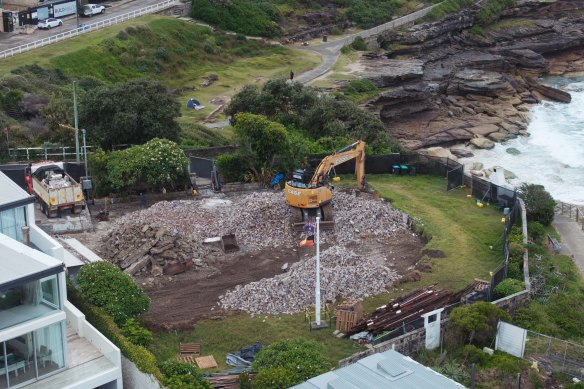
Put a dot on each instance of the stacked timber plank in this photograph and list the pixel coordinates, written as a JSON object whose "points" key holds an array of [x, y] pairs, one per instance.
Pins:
{"points": [[403, 310]]}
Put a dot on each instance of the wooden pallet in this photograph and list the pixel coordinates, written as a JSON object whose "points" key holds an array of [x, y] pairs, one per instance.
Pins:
{"points": [[190, 348], [206, 362], [186, 358]]}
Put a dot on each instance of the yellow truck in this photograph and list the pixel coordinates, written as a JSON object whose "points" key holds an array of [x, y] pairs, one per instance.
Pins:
{"points": [[55, 189]]}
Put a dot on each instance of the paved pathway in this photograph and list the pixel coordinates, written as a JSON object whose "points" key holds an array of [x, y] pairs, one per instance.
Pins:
{"points": [[572, 239]]}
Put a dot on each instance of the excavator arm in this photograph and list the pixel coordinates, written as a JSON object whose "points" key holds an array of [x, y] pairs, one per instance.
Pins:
{"points": [[355, 150]]}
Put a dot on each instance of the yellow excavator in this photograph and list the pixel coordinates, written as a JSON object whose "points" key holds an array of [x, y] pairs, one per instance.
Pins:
{"points": [[309, 194]]}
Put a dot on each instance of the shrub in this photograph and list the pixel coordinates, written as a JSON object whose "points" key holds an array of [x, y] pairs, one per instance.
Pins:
{"points": [[478, 321], [242, 16], [107, 287], [232, 167], [274, 378], [473, 354], [539, 204], [289, 362], [514, 270], [155, 165], [536, 232], [336, 30], [508, 287], [346, 49], [516, 250], [359, 44], [136, 334], [181, 375]]}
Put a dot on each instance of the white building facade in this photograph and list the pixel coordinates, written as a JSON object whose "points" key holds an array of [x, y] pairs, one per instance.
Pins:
{"points": [[45, 342]]}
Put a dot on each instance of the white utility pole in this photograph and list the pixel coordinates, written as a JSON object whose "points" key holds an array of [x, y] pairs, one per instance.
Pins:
{"points": [[317, 289], [76, 122]]}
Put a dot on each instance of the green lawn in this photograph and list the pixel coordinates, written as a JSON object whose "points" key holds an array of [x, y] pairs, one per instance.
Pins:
{"points": [[457, 226]]}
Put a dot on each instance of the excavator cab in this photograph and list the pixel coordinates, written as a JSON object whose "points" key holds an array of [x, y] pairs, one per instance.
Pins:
{"points": [[309, 193]]}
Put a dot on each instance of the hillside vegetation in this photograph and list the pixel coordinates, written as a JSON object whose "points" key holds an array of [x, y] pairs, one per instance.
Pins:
{"points": [[36, 87], [273, 18]]}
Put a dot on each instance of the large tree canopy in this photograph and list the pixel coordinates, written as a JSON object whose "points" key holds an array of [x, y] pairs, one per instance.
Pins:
{"points": [[132, 112]]}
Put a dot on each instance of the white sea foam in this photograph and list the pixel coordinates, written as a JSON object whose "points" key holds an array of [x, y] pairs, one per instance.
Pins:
{"points": [[553, 155]]}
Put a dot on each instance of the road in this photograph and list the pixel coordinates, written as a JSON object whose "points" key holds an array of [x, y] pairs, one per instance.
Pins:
{"points": [[10, 40], [572, 239]]}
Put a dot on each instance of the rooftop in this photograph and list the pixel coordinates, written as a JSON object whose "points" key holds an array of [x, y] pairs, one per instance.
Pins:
{"points": [[20, 263], [11, 192], [387, 370]]}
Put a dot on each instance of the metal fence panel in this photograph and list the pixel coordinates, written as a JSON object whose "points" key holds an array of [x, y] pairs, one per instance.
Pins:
{"points": [[201, 166], [510, 339]]}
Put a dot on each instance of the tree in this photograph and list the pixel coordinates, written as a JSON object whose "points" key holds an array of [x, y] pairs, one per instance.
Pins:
{"points": [[478, 321], [539, 204], [289, 362], [302, 109], [106, 286], [261, 140], [132, 112]]}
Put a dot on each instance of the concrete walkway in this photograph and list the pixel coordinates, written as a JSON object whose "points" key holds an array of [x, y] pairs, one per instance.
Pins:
{"points": [[572, 239]]}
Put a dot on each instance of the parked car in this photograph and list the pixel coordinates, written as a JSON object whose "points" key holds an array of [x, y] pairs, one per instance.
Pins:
{"points": [[92, 9], [49, 23]]}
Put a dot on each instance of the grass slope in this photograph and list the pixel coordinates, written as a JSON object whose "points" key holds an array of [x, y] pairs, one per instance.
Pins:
{"points": [[458, 227], [178, 53]]}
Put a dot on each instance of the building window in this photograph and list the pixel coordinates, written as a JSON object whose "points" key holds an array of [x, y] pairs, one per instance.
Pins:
{"points": [[32, 356], [28, 301], [12, 221]]}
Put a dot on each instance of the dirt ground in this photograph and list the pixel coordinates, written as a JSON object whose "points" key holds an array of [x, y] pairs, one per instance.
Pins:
{"points": [[180, 301]]}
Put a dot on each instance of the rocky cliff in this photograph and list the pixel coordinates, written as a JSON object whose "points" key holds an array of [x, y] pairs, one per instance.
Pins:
{"points": [[449, 82]]}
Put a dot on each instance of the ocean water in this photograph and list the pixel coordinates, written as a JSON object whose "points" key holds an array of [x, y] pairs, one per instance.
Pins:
{"points": [[553, 155]]}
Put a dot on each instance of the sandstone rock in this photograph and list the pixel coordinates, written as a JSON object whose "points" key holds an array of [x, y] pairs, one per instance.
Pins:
{"points": [[461, 152], [389, 72], [512, 151], [482, 143], [479, 82], [526, 58], [476, 166], [484, 129], [438, 152], [500, 136], [549, 92]]}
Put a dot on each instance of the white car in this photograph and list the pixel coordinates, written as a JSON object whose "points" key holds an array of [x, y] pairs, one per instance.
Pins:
{"points": [[50, 23]]}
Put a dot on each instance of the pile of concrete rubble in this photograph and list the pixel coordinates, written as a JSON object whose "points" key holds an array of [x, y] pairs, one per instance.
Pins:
{"points": [[343, 272], [169, 235], [168, 238]]}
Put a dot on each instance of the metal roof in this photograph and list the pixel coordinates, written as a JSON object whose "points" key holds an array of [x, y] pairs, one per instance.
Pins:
{"points": [[386, 370], [10, 192], [20, 263]]}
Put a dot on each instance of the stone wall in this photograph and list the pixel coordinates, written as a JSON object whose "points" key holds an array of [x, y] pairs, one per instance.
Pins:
{"points": [[511, 303]]}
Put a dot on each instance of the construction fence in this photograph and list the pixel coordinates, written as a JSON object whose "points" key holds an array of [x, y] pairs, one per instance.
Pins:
{"points": [[557, 355]]}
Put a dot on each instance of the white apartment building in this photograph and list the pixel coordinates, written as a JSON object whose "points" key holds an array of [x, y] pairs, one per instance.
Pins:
{"points": [[45, 342]]}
